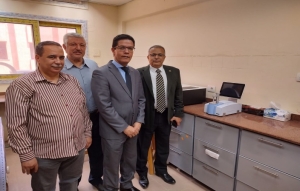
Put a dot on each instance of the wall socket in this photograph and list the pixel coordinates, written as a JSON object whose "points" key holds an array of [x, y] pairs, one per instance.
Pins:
{"points": [[211, 88], [97, 53], [298, 77]]}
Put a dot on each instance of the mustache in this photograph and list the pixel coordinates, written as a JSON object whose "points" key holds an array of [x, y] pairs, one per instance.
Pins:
{"points": [[57, 65]]}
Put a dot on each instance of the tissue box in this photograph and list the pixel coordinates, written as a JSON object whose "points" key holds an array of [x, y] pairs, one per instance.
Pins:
{"points": [[277, 114]]}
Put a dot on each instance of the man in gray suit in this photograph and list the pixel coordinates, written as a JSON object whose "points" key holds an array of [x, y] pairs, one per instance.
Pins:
{"points": [[118, 93]]}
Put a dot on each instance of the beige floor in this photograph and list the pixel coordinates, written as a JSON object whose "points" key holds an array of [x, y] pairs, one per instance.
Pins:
{"points": [[21, 182]]}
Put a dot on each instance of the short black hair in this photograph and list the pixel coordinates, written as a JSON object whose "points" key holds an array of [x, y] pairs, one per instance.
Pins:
{"points": [[122, 37], [157, 46], [39, 49]]}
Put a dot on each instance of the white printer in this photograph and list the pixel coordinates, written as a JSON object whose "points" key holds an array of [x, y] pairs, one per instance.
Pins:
{"points": [[226, 107]]}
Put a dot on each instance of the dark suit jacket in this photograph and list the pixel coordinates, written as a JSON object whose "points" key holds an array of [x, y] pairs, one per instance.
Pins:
{"points": [[117, 107], [174, 92]]}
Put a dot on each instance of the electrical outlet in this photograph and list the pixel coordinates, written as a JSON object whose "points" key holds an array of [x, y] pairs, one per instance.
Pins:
{"points": [[97, 53], [211, 89]]}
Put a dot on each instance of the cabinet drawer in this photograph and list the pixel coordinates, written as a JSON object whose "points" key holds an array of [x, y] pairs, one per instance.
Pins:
{"points": [[225, 163], [181, 141], [211, 177], [264, 178], [271, 152], [187, 124], [217, 134], [180, 159], [243, 187]]}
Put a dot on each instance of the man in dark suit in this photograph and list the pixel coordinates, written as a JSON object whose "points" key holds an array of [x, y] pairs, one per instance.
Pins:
{"points": [[163, 92], [118, 93]]}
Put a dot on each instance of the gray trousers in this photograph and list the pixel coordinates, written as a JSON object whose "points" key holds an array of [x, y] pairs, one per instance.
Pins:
{"points": [[119, 153], [69, 170]]}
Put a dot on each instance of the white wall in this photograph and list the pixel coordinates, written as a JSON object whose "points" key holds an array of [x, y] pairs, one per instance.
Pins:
{"points": [[253, 42]]}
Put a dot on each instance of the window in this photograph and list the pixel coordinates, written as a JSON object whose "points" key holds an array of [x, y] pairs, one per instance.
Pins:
{"points": [[56, 31], [18, 38], [3, 50]]}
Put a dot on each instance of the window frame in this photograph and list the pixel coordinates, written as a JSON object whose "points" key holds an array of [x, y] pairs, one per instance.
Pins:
{"points": [[36, 21]]}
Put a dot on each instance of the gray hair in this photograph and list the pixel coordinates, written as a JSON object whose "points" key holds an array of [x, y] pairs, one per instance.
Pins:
{"points": [[67, 35], [157, 46]]}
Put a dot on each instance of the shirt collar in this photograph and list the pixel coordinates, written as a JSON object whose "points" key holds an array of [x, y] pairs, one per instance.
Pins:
{"points": [[152, 69], [39, 77], [117, 64], [69, 64]]}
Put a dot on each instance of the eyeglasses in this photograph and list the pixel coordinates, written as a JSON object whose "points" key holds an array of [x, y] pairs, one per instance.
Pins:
{"points": [[123, 48], [159, 55]]}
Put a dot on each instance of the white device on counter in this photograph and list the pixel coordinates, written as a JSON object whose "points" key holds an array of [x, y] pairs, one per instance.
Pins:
{"points": [[226, 107]]}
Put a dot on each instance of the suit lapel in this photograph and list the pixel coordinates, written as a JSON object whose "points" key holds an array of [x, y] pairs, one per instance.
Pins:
{"points": [[114, 70], [168, 72], [147, 77], [133, 78]]}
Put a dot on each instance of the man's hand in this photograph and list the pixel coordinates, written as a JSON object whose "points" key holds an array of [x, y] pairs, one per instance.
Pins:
{"points": [[88, 142], [130, 131], [177, 119], [30, 166], [137, 127]]}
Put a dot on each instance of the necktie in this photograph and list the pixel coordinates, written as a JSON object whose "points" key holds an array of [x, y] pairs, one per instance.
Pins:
{"points": [[128, 79], [160, 93]]}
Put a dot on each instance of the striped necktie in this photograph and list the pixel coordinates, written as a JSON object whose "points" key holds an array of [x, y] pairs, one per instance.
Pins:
{"points": [[160, 92]]}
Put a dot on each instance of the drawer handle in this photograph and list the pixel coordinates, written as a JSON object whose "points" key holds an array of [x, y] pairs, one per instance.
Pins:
{"points": [[210, 170], [212, 125], [175, 151], [209, 148], [265, 171], [271, 143]]}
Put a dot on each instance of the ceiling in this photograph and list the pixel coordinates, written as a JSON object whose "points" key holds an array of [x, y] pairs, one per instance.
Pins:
{"points": [[111, 2]]}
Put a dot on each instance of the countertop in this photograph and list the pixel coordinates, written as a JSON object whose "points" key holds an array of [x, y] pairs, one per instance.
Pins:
{"points": [[288, 131]]}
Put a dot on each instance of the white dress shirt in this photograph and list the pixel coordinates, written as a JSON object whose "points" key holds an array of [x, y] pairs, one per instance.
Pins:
{"points": [[153, 75]]}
